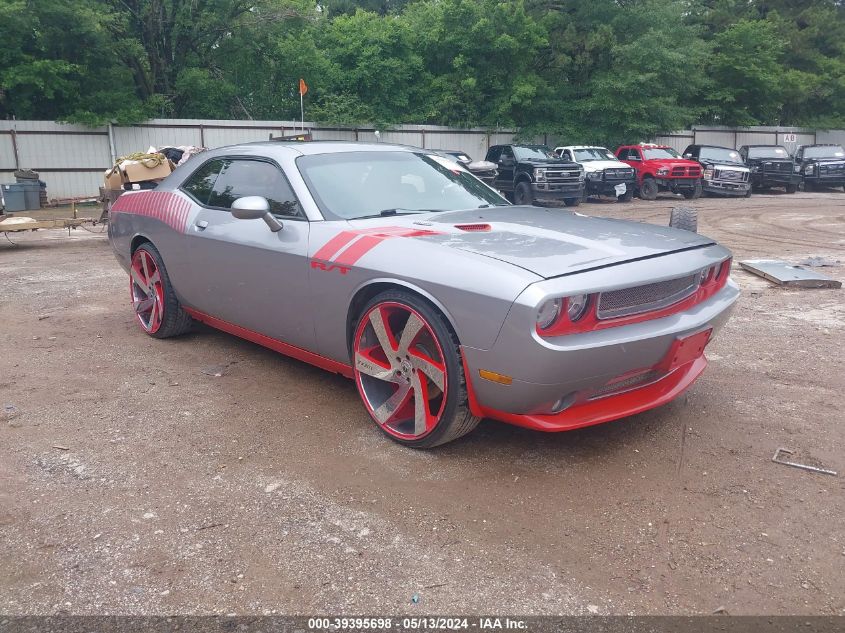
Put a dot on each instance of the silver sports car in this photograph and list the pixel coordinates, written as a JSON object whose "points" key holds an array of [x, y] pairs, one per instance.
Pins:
{"points": [[397, 268]]}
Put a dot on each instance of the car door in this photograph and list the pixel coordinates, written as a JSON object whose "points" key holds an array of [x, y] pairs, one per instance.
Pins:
{"points": [[244, 273], [506, 166]]}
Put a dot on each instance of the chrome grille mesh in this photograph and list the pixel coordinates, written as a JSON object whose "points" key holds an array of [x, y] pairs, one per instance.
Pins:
{"points": [[645, 298]]}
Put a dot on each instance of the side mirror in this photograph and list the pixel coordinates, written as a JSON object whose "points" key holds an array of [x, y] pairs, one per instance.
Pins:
{"points": [[688, 156], [255, 208]]}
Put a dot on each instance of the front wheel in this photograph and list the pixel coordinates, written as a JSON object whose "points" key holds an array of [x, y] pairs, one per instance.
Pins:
{"points": [[523, 195], [572, 202], [748, 193], [791, 188], [695, 193], [648, 190], [157, 309], [409, 373], [627, 196]]}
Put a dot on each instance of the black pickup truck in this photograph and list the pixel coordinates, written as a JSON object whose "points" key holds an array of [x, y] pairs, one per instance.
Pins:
{"points": [[771, 166], [532, 173], [821, 166]]}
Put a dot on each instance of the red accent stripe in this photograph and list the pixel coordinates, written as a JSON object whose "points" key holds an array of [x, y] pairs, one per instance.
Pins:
{"points": [[170, 208], [359, 249], [333, 246], [276, 345]]}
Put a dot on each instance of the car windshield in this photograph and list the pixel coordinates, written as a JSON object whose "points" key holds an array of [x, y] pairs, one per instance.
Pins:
{"points": [[533, 152], [824, 151], [350, 185], [652, 153], [722, 154], [774, 151], [593, 153]]}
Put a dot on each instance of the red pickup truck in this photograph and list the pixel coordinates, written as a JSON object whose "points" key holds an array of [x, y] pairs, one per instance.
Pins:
{"points": [[661, 168]]}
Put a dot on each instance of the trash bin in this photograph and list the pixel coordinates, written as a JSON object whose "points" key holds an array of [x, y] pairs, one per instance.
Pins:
{"points": [[14, 197], [32, 194]]}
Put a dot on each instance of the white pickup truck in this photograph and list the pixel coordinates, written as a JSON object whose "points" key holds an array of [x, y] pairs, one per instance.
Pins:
{"points": [[605, 174]]}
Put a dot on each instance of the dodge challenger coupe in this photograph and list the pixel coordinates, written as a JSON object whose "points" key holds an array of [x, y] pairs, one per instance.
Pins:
{"points": [[397, 268]]}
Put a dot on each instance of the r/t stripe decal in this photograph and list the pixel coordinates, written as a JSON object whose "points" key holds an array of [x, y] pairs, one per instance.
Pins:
{"points": [[347, 247]]}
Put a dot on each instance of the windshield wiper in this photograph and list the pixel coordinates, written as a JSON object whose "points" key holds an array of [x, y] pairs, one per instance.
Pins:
{"points": [[397, 211]]}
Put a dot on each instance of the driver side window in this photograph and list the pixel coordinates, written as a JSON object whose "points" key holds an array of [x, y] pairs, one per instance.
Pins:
{"points": [[244, 177], [634, 154]]}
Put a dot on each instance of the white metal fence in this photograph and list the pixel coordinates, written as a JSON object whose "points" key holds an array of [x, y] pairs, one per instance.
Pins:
{"points": [[71, 158]]}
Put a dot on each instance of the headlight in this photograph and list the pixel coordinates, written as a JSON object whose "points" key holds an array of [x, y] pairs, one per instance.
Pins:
{"points": [[548, 313], [708, 173], [581, 176], [576, 306], [540, 174], [809, 169], [755, 168], [663, 171], [594, 175], [797, 169]]}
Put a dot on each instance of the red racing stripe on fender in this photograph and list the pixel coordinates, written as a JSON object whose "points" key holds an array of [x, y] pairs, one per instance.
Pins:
{"points": [[334, 245], [359, 249]]}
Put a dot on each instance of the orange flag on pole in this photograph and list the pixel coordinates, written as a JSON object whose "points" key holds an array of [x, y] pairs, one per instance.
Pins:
{"points": [[302, 87]]}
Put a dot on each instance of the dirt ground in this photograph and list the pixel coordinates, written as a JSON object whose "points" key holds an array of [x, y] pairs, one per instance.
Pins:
{"points": [[134, 479]]}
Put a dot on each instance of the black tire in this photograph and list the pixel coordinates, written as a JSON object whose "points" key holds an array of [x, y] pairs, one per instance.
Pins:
{"points": [[627, 196], [523, 195], [572, 202], [649, 189], [748, 193], [684, 218], [455, 420], [175, 320], [695, 193], [791, 188]]}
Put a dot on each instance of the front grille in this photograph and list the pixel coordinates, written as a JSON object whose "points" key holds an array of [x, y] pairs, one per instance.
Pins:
{"points": [[626, 384], [732, 175], [618, 174], [832, 170], [639, 299], [686, 171], [779, 168], [562, 175]]}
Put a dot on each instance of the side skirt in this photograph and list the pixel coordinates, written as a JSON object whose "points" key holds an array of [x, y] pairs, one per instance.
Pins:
{"points": [[274, 344]]}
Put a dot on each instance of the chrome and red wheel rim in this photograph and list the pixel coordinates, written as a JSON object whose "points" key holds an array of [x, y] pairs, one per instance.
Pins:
{"points": [[400, 370], [147, 291]]}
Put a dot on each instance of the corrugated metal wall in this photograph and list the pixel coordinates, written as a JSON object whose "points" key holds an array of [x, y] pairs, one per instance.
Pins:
{"points": [[71, 158]]}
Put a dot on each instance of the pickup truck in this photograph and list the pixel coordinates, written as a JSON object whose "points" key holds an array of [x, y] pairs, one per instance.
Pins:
{"points": [[532, 173], [605, 174], [660, 168], [771, 166], [821, 165], [725, 172]]}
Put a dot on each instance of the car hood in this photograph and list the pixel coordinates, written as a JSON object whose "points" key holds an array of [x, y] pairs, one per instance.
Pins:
{"points": [[724, 165], [598, 165], [668, 162], [551, 162], [551, 242]]}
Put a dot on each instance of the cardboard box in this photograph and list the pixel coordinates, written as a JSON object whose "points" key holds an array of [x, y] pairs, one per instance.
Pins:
{"points": [[113, 178], [144, 170]]}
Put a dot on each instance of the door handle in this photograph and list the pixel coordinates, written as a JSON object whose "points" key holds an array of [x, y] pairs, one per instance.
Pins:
{"points": [[201, 225]]}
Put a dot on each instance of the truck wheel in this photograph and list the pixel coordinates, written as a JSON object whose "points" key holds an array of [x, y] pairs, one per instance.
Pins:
{"points": [[648, 190], [523, 194], [695, 193], [748, 193], [627, 196], [684, 218], [791, 188], [572, 202]]}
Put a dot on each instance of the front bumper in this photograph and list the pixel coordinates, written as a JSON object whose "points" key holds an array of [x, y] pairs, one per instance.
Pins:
{"points": [[774, 179], [726, 187], [829, 181], [557, 191], [608, 187], [583, 370], [677, 185]]}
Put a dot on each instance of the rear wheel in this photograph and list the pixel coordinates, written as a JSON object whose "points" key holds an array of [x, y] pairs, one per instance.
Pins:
{"points": [[523, 194], [695, 193], [156, 307], [409, 372], [648, 189]]}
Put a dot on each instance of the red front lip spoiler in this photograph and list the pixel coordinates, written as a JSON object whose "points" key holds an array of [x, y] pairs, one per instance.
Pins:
{"points": [[598, 411]]}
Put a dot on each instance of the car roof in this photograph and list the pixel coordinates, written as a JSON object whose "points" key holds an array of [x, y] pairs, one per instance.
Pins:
{"points": [[314, 147], [763, 145], [645, 146], [580, 147]]}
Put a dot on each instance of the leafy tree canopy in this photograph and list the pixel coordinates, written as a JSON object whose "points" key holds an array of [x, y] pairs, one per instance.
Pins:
{"points": [[579, 70]]}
